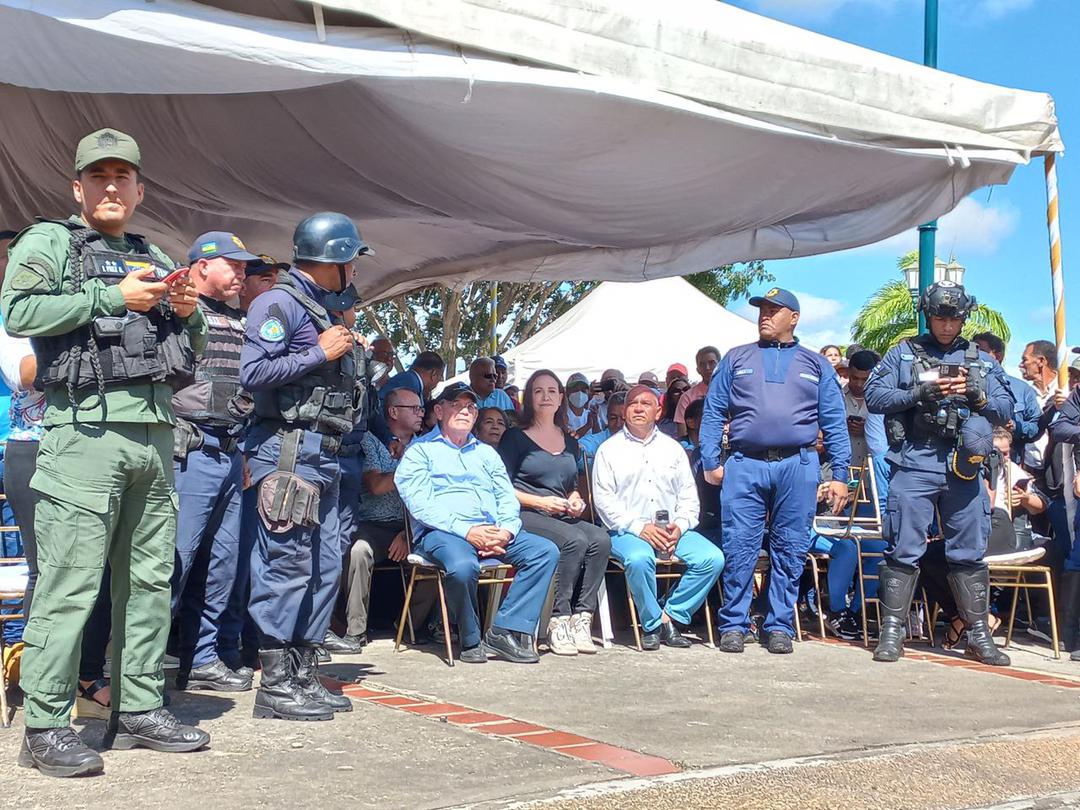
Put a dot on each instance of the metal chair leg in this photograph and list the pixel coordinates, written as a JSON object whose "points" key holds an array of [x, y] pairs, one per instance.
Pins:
{"points": [[445, 619], [709, 623], [1053, 616], [1012, 612], [816, 574], [5, 721], [604, 609], [409, 621], [405, 610], [633, 613]]}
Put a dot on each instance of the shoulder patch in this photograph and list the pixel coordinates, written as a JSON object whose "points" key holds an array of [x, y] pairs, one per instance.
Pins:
{"points": [[272, 330]]}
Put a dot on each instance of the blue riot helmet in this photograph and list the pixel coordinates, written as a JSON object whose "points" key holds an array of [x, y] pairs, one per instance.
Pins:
{"points": [[328, 237], [946, 299]]}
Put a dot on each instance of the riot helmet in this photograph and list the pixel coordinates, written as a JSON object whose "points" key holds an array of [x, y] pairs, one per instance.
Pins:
{"points": [[328, 237], [946, 299]]}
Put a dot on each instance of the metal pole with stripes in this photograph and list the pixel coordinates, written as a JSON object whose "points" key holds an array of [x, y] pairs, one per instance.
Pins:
{"points": [[1056, 273]]}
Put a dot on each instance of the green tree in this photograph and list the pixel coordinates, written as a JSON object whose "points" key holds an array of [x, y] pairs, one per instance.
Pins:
{"points": [[889, 316], [456, 321]]}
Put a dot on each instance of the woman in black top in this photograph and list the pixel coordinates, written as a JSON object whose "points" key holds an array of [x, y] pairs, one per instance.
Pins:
{"points": [[541, 459]]}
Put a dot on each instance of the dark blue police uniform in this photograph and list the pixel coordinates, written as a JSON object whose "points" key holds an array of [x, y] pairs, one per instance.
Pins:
{"points": [[776, 397], [295, 572]]}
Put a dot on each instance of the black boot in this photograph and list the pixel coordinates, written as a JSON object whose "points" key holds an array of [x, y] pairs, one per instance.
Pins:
{"points": [[307, 675], [58, 752], [896, 586], [971, 589], [156, 729], [280, 695], [215, 676], [1069, 605]]}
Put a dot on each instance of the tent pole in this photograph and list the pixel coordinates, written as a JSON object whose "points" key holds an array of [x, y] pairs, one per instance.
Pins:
{"points": [[928, 232], [494, 317], [1056, 273]]}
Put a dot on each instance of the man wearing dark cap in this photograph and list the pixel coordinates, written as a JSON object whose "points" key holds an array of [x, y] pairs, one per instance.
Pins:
{"points": [[464, 509], [113, 338], [302, 367], [775, 395], [210, 416]]}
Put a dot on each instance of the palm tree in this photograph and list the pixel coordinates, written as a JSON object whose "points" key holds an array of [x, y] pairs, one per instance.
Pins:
{"points": [[889, 316]]}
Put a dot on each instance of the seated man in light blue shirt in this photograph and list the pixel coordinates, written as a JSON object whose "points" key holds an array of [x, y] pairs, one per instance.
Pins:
{"points": [[482, 378], [590, 442], [464, 509]]}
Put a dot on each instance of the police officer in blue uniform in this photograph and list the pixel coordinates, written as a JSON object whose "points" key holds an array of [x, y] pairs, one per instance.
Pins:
{"points": [[300, 363], [940, 396], [775, 395], [210, 416]]}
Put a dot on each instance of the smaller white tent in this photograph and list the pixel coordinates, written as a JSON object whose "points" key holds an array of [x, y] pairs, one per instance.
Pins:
{"points": [[631, 326]]}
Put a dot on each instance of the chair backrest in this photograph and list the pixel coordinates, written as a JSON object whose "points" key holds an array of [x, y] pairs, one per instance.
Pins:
{"points": [[863, 513]]}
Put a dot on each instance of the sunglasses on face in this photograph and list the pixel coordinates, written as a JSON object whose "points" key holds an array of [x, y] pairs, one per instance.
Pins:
{"points": [[490, 376]]}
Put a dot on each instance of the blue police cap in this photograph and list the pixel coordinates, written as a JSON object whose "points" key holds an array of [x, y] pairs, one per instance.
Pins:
{"points": [[212, 244], [782, 298]]}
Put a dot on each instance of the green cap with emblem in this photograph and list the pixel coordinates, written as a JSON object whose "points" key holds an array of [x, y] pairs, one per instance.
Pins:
{"points": [[106, 144]]}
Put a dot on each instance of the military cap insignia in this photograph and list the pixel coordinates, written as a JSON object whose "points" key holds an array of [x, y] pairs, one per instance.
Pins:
{"points": [[272, 330], [209, 247], [772, 292], [238, 243], [106, 140]]}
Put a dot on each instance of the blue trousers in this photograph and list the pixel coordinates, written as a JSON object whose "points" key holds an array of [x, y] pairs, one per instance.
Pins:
{"points": [[236, 628], [534, 559], [784, 494], [352, 469], [295, 574], [208, 482], [844, 567], [965, 516], [704, 562], [882, 476]]}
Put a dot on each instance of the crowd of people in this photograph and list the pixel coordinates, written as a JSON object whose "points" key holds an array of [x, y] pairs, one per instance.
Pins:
{"points": [[211, 460]]}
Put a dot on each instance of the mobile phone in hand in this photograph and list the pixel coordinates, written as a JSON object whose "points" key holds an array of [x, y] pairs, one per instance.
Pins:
{"points": [[176, 274], [950, 370]]}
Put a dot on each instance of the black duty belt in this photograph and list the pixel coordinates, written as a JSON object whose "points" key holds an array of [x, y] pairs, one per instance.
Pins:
{"points": [[772, 453], [329, 444]]}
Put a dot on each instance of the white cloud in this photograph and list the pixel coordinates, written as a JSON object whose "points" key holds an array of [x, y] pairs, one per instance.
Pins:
{"points": [[999, 8], [969, 229], [820, 10], [821, 320]]}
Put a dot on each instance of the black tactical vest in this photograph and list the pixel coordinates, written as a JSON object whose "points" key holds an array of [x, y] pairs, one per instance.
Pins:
{"points": [[212, 399], [330, 398], [114, 350]]}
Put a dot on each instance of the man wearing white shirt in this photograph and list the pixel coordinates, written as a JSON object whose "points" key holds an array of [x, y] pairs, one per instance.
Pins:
{"points": [[639, 474]]}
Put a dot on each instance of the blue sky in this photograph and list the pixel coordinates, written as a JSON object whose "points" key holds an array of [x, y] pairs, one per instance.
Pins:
{"points": [[999, 233]]}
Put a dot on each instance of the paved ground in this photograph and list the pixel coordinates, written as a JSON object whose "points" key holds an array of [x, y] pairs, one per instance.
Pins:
{"points": [[822, 728]]}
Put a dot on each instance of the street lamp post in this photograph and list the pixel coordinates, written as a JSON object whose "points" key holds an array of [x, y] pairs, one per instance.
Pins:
{"points": [[928, 232], [940, 271]]}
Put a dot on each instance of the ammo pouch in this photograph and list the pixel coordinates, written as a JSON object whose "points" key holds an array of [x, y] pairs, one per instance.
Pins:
{"points": [[323, 410], [186, 437], [287, 501]]}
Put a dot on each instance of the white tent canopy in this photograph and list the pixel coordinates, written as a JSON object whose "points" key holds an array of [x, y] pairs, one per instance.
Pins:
{"points": [[502, 139], [632, 327]]}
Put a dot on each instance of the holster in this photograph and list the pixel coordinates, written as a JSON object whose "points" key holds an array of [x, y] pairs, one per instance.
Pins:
{"points": [[286, 500], [186, 437]]}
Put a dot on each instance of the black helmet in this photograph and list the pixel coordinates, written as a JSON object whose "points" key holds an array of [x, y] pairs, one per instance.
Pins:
{"points": [[328, 237], [946, 299]]}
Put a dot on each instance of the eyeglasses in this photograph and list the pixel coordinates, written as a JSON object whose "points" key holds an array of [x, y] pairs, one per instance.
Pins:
{"points": [[414, 408], [490, 376]]}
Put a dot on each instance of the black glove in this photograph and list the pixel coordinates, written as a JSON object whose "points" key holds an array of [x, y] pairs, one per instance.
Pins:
{"points": [[929, 392], [976, 391]]}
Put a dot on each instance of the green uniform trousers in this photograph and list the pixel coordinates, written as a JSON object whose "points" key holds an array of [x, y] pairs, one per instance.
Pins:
{"points": [[106, 494]]}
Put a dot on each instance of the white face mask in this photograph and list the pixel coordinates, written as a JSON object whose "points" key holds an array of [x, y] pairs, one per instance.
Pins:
{"points": [[578, 399]]}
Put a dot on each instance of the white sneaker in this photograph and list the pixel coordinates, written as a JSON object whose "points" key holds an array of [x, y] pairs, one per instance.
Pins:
{"points": [[559, 638], [581, 630]]}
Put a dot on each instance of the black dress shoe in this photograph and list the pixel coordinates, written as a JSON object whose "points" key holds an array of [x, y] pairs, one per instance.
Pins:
{"points": [[58, 752], [474, 655], [156, 729], [650, 641], [345, 645], [322, 655], [670, 635], [215, 677], [732, 641], [508, 645], [779, 643]]}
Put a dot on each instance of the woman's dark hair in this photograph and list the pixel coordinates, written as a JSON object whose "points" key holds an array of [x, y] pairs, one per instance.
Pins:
{"points": [[528, 411], [695, 409], [671, 401], [429, 412]]}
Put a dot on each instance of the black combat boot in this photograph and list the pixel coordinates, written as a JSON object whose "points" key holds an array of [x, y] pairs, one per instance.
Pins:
{"points": [[307, 676], [896, 586], [156, 729], [1069, 604], [58, 752], [971, 589], [279, 693]]}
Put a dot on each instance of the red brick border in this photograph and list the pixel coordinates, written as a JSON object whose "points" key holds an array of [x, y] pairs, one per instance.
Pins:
{"points": [[561, 742]]}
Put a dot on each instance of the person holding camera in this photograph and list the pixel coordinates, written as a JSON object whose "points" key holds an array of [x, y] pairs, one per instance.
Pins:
{"points": [[646, 497], [941, 398]]}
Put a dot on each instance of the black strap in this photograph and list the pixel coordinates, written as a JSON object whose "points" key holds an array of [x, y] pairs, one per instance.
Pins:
{"points": [[317, 312], [290, 450]]}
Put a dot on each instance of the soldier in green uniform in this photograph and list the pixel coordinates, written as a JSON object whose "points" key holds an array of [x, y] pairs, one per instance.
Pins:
{"points": [[114, 333]]}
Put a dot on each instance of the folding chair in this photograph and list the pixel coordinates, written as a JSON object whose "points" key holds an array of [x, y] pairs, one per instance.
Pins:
{"points": [[12, 587], [492, 572]]}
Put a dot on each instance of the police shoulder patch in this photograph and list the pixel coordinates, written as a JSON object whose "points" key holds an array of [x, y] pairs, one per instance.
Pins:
{"points": [[272, 330]]}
